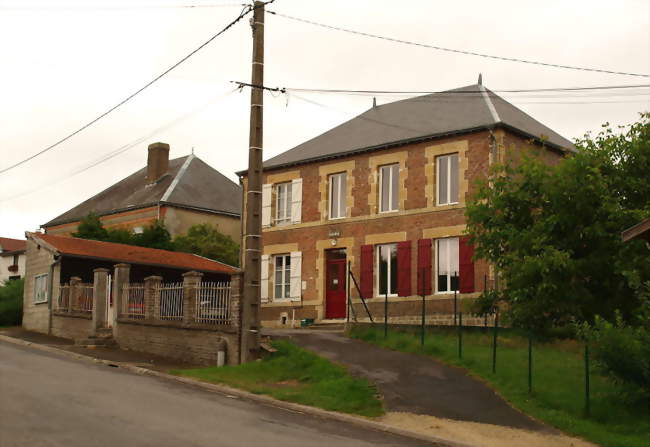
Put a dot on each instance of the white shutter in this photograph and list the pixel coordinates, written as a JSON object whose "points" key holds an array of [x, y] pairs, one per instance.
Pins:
{"points": [[264, 279], [295, 288], [296, 200], [267, 190]]}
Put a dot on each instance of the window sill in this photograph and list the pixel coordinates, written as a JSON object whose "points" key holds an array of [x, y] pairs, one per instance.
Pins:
{"points": [[36, 303], [388, 212]]}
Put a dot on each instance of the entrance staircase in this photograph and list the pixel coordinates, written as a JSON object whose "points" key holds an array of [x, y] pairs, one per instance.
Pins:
{"points": [[103, 338]]}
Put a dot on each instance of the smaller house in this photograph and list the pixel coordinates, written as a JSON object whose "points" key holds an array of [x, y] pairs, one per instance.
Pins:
{"points": [[177, 305], [12, 259], [181, 192]]}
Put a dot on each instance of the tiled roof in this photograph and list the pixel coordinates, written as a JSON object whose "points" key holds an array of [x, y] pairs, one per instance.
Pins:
{"points": [[461, 110], [189, 182], [129, 254], [8, 244]]}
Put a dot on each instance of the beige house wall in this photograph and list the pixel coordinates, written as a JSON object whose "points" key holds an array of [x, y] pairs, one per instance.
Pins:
{"points": [[179, 220], [36, 316]]}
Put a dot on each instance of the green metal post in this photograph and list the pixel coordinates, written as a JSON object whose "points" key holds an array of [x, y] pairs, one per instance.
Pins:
{"points": [[386, 314], [530, 363], [423, 312], [494, 342], [587, 403], [460, 335]]}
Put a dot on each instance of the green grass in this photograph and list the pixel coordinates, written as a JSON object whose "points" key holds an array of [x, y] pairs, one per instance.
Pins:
{"points": [[558, 396], [295, 375]]}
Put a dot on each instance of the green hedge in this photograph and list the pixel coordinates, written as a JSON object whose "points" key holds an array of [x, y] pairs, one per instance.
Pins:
{"points": [[11, 302]]}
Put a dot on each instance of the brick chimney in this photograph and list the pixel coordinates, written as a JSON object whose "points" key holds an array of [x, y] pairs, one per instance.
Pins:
{"points": [[157, 161]]}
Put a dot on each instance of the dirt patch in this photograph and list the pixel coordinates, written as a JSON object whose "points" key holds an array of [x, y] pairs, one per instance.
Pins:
{"points": [[477, 434]]}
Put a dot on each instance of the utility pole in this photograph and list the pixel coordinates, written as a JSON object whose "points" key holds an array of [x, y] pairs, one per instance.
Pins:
{"points": [[250, 304]]}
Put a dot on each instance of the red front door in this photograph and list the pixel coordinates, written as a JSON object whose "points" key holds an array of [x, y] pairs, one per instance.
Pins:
{"points": [[335, 289]]}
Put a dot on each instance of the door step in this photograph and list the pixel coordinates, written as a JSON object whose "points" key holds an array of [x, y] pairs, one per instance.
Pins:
{"points": [[102, 337]]}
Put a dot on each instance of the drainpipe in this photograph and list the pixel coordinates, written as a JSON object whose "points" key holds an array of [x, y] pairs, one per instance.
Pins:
{"points": [[50, 286]]}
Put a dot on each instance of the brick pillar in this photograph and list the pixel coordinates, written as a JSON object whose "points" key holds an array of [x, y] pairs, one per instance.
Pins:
{"points": [[152, 297], [74, 293], [236, 292], [100, 281], [191, 281], [121, 276]]}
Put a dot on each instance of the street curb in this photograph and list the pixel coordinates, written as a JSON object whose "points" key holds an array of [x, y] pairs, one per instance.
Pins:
{"points": [[266, 400]]}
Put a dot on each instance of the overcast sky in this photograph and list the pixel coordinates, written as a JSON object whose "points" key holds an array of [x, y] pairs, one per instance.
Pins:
{"points": [[64, 63]]}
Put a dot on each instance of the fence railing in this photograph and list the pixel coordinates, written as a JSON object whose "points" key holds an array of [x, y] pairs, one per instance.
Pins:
{"points": [[213, 303], [133, 300], [84, 298], [171, 300], [63, 301]]}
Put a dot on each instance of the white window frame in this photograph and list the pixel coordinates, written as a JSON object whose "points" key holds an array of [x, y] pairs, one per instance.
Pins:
{"points": [[283, 216], [391, 193], [448, 261], [438, 177], [286, 277], [338, 178], [40, 288], [388, 271]]}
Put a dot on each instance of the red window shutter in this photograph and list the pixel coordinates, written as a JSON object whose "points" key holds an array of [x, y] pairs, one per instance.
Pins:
{"points": [[424, 266], [367, 261], [465, 254], [404, 268]]}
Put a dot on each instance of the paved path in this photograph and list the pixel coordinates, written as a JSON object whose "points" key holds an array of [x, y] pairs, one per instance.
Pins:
{"points": [[48, 400], [414, 383]]}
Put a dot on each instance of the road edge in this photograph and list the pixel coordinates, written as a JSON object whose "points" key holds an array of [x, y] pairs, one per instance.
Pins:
{"points": [[245, 395]]}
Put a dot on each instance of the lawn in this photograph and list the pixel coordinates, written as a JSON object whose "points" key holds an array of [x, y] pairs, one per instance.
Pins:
{"points": [[295, 375], [558, 396]]}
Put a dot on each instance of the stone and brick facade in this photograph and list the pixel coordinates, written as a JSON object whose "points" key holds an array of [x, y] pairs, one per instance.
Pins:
{"points": [[312, 242]]}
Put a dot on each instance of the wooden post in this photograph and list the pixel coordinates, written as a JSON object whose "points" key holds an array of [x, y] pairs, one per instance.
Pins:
{"points": [[252, 244]]}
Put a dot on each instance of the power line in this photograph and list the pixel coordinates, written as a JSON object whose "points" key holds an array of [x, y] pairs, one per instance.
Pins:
{"points": [[451, 50], [444, 92], [120, 150], [246, 10]]}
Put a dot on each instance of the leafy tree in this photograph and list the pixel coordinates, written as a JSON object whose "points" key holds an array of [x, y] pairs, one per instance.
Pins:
{"points": [[91, 227], [206, 240], [154, 236], [553, 232], [11, 302]]}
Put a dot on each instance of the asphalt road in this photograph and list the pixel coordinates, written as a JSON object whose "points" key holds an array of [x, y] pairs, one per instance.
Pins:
{"points": [[47, 400]]}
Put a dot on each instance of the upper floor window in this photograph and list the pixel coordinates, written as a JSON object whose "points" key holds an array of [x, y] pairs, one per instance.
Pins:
{"points": [[447, 264], [337, 195], [282, 280], [447, 176], [389, 188], [283, 203], [40, 288], [387, 269]]}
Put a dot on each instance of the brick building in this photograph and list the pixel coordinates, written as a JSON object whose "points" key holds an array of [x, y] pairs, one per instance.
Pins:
{"points": [[385, 194], [181, 192]]}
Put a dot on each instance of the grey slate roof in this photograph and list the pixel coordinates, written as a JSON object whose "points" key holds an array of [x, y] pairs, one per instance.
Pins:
{"points": [[455, 111], [189, 182]]}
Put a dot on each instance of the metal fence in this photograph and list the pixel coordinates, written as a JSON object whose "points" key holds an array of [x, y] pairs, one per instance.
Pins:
{"points": [[63, 301], [85, 297], [133, 302], [213, 303], [171, 301]]}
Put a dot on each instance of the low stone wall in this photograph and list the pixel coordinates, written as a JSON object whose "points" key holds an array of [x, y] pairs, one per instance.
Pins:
{"points": [[190, 344], [72, 326]]}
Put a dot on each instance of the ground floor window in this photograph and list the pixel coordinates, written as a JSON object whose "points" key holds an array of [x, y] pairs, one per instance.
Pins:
{"points": [[282, 277], [447, 264], [40, 288], [387, 269]]}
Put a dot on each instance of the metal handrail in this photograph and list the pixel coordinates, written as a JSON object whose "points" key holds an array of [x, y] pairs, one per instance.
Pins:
{"points": [[351, 275]]}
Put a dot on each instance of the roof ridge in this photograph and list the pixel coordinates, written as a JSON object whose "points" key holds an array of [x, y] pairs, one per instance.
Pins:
{"points": [[488, 102], [177, 178]]}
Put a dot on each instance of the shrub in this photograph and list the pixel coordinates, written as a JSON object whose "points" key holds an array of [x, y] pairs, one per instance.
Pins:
{"points": [[622, 352], [11, 302]]}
